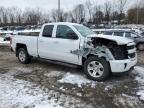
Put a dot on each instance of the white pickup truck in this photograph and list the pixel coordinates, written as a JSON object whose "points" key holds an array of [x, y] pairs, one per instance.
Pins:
{"points": [[76, 44]]}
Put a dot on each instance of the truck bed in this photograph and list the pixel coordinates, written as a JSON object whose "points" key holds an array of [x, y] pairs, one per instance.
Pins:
{"points": [[30, 41]]}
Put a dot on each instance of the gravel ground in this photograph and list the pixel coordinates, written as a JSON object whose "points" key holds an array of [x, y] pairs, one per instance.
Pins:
{"points": [[68, 85]]}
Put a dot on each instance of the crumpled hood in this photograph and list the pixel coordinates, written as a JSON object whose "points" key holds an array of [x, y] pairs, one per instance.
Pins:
{"points": [[119, 40]]}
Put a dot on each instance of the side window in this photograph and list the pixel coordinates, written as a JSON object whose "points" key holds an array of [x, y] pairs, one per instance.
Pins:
{"points": [[47, 31], [108, 33], [65, 32], [128, 34], [119, 34]]}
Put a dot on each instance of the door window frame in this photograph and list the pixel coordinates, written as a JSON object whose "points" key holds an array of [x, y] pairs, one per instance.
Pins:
{"points": [[43, 31], [55, 31]]}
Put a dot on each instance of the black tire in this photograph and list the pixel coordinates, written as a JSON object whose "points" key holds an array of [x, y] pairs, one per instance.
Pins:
{"points": [[140, 46], [103, 63], [26, 59]]}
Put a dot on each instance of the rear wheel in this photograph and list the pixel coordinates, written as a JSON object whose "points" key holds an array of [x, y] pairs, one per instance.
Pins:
{"points": [[23, 56], [97, 69]]}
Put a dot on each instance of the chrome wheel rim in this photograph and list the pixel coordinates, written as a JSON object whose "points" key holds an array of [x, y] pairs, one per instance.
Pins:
{"points": [[22, 56], [95, 69]]}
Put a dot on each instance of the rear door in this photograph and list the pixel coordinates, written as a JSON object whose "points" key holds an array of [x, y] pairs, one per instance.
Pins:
{"points": [[46, 43]]}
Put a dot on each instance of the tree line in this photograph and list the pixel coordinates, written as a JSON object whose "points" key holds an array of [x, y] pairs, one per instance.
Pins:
{"points": [[89, 12], [136, 13]]}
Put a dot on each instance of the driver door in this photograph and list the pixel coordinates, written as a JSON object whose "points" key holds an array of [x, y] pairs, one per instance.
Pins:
{"points": [[64, 44]]}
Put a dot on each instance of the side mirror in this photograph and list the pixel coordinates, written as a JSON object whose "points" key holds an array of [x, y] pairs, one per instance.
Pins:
{"points": [[72, 36]]}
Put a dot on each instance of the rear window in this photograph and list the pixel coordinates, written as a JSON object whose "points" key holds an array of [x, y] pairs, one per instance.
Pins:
{"points": [[119, 34], [48, 29]]}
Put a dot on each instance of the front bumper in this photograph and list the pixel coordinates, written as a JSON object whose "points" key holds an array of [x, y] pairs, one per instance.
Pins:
{"points": [[118, 66]]}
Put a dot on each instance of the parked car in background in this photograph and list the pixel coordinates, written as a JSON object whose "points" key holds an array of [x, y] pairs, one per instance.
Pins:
{"points": [[19, 28], [99, 31], [138, 39], [76, 44], [7, 37], [142, 34]]}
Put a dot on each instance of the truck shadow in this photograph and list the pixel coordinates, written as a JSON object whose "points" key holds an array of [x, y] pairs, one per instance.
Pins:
{"points": [[64, 67]]}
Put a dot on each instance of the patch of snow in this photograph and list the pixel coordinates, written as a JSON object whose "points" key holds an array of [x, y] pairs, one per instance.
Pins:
{"points": [[24, 69], [139, 71], [140, 74], [77, 79], [126, 100], [79, 94], [141, 94], [62, 88], [108, 87], [18, 70], [2, 42], [19, 94], [53, 74]]}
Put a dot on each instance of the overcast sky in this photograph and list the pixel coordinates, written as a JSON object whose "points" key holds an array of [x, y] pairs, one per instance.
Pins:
{"points": [[47, 4]]}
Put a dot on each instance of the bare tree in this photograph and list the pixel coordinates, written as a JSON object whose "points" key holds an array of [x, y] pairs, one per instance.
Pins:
{"points": [[97, 14], [89, 7], [71, 17], [32, 16], [54, 15], [19, 18], [107, 9], [79, 13], [1, 10], [4, 15], [12, 15], [121, 7], [45, 18], [65, 16]]}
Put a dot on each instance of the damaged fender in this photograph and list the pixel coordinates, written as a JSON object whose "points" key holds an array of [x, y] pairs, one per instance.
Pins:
{"points": [[88, 48]]}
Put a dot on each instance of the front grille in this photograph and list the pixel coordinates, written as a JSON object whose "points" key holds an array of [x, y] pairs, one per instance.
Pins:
{"points": [[130, 47], [119, 52], [132, 55]]}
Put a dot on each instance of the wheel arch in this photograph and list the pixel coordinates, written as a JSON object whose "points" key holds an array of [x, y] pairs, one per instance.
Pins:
{"points": [[90, 55], [20, 45]]}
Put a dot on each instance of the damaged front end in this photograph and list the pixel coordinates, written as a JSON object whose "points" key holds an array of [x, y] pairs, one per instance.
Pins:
{"points": [[101, 47]]}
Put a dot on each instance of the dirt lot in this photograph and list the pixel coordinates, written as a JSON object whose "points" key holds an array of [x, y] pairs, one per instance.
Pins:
{"points": [[69, 87]]}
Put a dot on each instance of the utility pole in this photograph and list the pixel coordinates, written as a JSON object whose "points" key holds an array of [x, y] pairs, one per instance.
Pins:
{"points": [[137, 11], [59, 10]]}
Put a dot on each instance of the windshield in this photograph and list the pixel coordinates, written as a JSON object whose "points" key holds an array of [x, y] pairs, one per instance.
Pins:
{"points": [[84, 31]]}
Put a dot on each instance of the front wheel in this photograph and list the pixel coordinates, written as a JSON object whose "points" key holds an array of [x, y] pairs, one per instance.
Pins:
{"points": [[23, 56], [97, 69]]}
